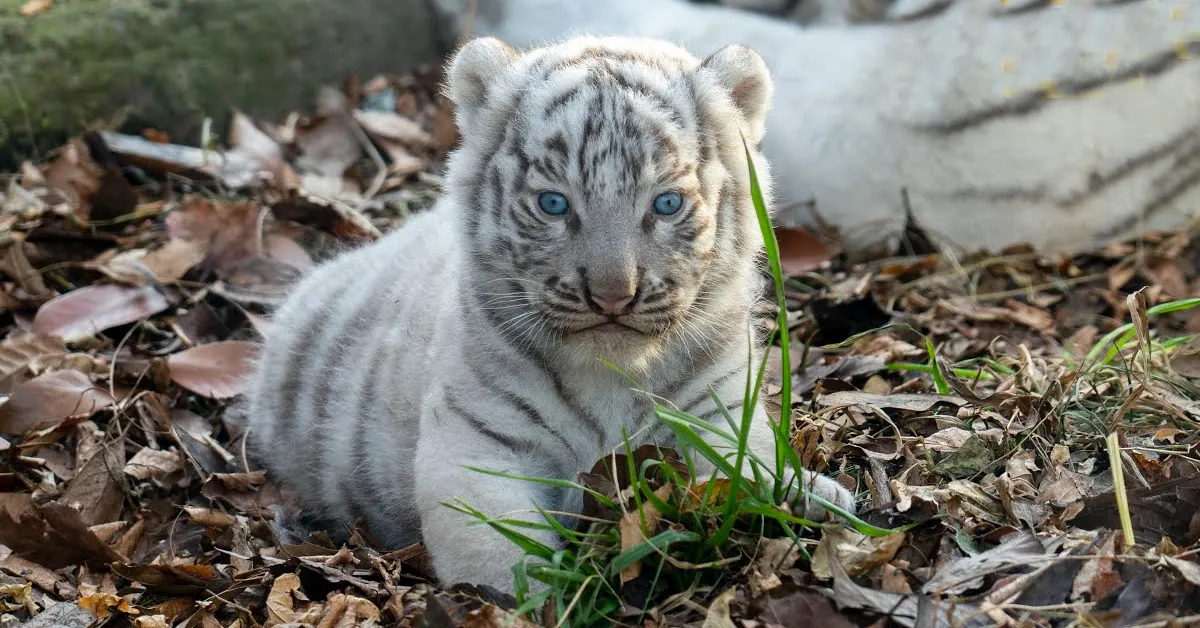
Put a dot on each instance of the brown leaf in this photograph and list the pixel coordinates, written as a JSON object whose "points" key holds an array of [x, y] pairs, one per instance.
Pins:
{"points": [[258, 280], [403, 162], [64, 529], [153, 463], [164, 575], [801, 251], [34, 7], [1167, 272], [105, 604], [82, 313], [966, 573], [328, 146], [96, 491], [15, 264], [241, 481], [916, 402], [175, 258], [75, 174], [1030, 316], [385, 125], [44, 578], [208, 517], [217, 370], [22, 353], [231, 230], [282, 248], [281, 608], [260, 148], [1098, 577], [633, 532], [50, 399], [856, 553], [1186, 361], [340, 220], [246, 492], [793, 607]]}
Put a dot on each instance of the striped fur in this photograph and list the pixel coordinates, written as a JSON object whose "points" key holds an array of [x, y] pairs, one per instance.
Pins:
{"points": [[1061, 124], [464, 337], [834, 12]]}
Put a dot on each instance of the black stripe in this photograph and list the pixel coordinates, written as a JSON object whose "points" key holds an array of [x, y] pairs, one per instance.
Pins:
{"points": [[521, 404], [512, 444], [1190, 179], [1031, 101], [702, 363], [1098, 182], [715, 384], [297, 369], [358, 497], [562, 100]]}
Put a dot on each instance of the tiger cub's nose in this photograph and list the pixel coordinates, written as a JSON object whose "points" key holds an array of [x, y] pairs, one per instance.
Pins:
{"points": [[612, 302]]}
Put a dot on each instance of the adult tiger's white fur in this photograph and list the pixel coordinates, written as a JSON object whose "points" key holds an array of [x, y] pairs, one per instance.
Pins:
{"points": [[1058, 124], [470, 336]]}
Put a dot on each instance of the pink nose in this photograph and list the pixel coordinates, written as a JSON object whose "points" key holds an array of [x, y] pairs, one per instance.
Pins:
{"points": [[611, 302]]}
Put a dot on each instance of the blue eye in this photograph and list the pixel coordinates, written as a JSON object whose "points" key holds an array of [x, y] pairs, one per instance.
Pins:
{"points": [[668, 203], [553, 203]]}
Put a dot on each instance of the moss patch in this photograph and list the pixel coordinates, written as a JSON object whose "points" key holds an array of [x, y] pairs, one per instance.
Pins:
{"points": [[170, 63]]}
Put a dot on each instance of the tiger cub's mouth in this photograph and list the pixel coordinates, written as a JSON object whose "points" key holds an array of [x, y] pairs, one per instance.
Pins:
{"points": [[611, 326]]}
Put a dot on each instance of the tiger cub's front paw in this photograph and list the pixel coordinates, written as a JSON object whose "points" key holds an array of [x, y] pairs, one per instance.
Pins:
{"points": [[826, 488]]}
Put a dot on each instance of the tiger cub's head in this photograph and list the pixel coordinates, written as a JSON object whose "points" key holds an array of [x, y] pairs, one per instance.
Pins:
{"points": [[604, 191]]}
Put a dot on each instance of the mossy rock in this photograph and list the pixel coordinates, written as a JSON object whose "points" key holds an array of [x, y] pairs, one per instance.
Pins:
{"points": [[170, 63]]}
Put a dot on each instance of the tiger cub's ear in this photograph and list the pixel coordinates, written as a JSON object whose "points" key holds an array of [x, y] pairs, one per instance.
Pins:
{"points": [[476, 65], [741, 72]]}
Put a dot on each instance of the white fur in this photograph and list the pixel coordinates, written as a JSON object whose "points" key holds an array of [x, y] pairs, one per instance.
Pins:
{"points": [[854, 107]]}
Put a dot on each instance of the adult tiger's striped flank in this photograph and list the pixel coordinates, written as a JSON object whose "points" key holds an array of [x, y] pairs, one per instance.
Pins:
{"points": [[598, 207]]}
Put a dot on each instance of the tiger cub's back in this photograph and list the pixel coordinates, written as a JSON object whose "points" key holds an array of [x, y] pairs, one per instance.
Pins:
{"points": [[346, 346]]}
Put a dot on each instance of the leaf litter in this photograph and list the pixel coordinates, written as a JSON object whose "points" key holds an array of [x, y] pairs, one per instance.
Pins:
{"points": [[976, 405]]}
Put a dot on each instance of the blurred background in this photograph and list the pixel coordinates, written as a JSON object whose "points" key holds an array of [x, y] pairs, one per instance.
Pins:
{"points": [[1062, 125]]}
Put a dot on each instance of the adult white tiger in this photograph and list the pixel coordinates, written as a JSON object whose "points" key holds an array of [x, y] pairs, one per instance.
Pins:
{"points": [[598, 207], [1058, 124]]}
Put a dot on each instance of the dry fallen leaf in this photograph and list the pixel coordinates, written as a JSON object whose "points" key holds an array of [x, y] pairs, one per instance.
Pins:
{"points": [[391, 126], [105, 604], [50, 399], [153, 463], [633, 533], [231, 231], [217, 370], [175, 258], [15, 264], [21, 353], [82, 313], [801, 251], [96, 494], [34, 7], [280, 606], [75, 174]]}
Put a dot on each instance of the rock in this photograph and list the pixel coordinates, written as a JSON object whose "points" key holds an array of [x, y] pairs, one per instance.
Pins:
{"points": [[170, 63]]}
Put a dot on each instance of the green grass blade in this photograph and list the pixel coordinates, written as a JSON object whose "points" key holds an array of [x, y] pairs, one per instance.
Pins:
{"points": [[650, 546], [548, 482]]}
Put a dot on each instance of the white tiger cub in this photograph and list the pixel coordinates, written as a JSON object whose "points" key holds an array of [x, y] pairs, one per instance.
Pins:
{"points": [[598, 207]]}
